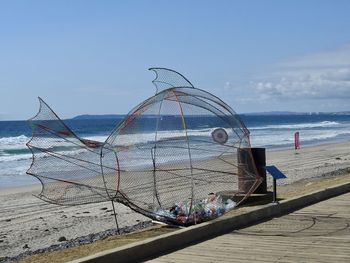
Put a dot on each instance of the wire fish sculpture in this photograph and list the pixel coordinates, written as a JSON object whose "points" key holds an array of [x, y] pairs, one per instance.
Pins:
{"points": [[174, 157]]}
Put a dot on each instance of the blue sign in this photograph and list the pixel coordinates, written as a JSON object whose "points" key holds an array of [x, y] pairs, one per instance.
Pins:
{"points": [[275, 173]]}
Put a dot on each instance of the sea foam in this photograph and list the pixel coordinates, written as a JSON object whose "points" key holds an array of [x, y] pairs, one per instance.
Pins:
{"points": [[322, 124]]}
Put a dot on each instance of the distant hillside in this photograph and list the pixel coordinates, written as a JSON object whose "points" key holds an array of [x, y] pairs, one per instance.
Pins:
{"points": [[282, 113], [98, 117], [268, 113]]}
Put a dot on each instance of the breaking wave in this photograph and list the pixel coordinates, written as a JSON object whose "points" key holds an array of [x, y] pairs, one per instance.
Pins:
{"points": [[322, 124]]}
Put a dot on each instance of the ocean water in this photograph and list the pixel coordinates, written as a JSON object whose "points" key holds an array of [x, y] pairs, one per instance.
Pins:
{"points": [[270, 131]]}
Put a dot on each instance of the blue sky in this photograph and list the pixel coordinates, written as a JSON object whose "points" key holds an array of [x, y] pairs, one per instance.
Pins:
{"points": [[91, 57]]}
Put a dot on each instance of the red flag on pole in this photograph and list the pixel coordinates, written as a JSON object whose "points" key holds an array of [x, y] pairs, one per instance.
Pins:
{"points": [[296, 141]]}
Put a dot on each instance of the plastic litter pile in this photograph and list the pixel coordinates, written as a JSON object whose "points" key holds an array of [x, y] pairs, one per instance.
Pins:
{"points": [[198, 211]]}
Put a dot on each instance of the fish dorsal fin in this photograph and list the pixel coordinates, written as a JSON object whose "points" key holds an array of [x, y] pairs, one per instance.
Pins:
{"points": [[168, 78]]}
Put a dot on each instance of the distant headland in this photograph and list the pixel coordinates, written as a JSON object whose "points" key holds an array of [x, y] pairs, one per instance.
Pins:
{"points": [[268, 113]]}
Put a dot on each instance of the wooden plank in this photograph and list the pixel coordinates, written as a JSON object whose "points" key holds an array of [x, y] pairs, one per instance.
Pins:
{"points": [[326, 240]]}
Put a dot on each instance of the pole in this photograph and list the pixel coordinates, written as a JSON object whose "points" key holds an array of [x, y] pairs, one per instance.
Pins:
{"points": [[115, 217], [274, 197]]}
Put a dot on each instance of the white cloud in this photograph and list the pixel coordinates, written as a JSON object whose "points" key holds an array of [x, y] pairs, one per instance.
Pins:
{"points": [[323, 76], [327, 59]]}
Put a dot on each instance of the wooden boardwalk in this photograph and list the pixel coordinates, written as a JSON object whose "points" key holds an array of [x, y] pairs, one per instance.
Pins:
{"points": [[318, 233]]}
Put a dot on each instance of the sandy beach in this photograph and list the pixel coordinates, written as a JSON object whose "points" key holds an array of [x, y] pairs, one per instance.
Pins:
{"points": [[28, 223]]}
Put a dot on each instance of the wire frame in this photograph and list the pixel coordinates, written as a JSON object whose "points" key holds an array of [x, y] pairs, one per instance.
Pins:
{"points": [[174, 157]]}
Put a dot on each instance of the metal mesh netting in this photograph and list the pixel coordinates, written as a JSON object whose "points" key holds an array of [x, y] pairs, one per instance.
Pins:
{"points": [[67, 178], [173, 158]]}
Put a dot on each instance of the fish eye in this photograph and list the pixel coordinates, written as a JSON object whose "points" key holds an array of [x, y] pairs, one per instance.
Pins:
{"points": [[219, 135]]}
